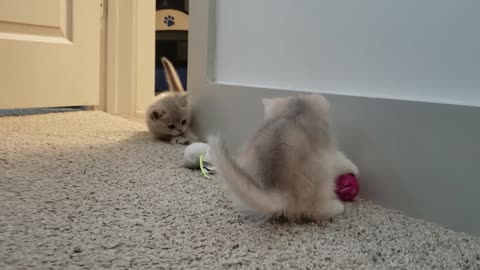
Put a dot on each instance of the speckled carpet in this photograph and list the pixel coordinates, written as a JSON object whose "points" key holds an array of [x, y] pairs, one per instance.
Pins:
{"points": [[86, 190]]}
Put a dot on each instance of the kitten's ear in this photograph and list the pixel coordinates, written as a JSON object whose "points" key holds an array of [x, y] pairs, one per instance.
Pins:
{"points": [[157, 114], [267, 108], [183, 101], [321, 102], [268, 104], [267, 101], [171, 75]]}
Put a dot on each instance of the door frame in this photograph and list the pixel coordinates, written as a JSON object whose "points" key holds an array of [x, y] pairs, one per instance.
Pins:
{"points": [[127, 57]]}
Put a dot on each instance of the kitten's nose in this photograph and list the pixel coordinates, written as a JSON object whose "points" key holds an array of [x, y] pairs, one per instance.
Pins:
{"points": [[179, 129]]}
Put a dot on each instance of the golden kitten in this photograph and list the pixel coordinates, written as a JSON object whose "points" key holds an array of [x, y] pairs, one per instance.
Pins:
{"points": [[169, 116]]}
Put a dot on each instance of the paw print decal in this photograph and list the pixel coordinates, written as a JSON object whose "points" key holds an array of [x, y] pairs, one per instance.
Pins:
{"points": [[169, 20]]}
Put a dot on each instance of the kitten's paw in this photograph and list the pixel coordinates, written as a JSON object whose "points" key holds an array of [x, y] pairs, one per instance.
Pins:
{"points": [[331, 209], [192, 138], [354, 169], [179, 140], [336, 208], [345, 165]]}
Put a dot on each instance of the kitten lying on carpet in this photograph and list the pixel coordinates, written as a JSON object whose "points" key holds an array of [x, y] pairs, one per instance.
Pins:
{"points": [[290, 165], [169, 116]]}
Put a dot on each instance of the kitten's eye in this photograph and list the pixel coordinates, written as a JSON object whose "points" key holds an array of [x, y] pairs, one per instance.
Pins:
{"points": [[171, 126], [184, 122]]}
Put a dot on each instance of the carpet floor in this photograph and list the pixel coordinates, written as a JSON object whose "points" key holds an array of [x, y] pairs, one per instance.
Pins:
{"points": [[87, 190]]}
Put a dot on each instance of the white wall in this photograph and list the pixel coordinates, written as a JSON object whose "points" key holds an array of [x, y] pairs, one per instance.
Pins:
{"points": [[417, 157], [425, 50]]}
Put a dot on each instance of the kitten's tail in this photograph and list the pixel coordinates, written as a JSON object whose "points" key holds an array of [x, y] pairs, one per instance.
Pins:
{"points": [[241, 184], [174, 83]]}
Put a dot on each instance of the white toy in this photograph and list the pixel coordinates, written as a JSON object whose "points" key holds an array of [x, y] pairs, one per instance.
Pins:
{"points": [[197, 156]]}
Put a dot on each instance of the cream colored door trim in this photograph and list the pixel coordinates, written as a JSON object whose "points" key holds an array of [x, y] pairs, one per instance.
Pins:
{"points": [[130, 56]]}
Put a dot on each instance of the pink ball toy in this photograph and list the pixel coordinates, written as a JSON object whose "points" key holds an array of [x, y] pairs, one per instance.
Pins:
{"points": [[347, 187]]}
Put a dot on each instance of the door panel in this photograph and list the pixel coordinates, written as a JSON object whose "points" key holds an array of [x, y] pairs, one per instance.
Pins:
{"points": [[43, 13], [49, 53]]}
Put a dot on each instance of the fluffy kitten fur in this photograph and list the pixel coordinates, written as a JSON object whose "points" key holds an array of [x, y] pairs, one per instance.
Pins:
{"points": [[290, 165], [169, 116]]}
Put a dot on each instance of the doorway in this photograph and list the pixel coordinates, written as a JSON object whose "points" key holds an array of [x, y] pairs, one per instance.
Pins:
{"points": [[171, 40]]}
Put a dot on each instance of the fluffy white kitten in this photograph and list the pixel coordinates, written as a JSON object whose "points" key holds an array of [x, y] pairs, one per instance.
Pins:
{"points": [[288, 168]]}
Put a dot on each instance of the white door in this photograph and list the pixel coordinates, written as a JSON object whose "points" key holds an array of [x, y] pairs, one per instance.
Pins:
{"points": [[49, 53]]}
